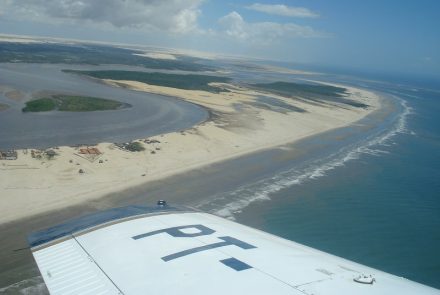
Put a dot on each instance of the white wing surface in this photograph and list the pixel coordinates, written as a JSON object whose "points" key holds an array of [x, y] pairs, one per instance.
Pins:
{"points": [[176, 251]]}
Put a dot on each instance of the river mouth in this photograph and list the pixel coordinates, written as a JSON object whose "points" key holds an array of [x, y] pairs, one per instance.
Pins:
{"points": [[149, 115]]}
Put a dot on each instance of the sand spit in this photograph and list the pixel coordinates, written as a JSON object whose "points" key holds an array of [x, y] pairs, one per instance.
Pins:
{"points": [[157, 55], [18, 39], [11, 93], [36, 183]]}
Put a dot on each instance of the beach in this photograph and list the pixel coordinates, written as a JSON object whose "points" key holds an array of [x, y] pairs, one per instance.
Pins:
{"points": [[188, 167], [33, 185], [307, 122]]}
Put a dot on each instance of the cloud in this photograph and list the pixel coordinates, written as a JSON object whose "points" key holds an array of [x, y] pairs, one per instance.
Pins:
{"points": [[280, 9], [178, 16], [236, 27]]}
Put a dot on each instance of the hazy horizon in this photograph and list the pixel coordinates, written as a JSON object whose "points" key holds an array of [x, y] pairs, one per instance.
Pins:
{"points": [[392, 37]]}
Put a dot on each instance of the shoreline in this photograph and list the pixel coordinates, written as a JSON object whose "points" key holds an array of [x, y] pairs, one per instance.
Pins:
{"points": [[185, 188], [150, 115], [35, 186]]}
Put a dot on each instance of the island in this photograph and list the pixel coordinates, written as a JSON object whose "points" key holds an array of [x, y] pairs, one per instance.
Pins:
{"points": [[69, 103]]}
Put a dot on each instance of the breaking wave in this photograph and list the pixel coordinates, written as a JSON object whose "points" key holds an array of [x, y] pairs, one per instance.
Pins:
{"points": [[228, 204]]}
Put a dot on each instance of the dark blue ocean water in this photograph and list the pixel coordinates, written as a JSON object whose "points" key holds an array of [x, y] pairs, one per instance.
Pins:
{"points": [[381, 208]]}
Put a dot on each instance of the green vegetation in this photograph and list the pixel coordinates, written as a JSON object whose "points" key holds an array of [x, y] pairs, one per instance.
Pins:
{"points": [[40, 105], [135, 147], [86, 104], [181, 81], [311, 92], [68, 103], [92, 55], [296, 89]]}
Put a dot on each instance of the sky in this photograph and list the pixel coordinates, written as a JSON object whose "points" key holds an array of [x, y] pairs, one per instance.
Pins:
{"points": [[392, 36]]}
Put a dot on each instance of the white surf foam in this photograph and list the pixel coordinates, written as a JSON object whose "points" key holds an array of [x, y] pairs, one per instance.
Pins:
{"points": [[230, 203]]}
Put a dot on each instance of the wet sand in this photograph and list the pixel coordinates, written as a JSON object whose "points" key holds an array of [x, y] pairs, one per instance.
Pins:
{"points": [[32, 185], [187, 189], [190, 189], [184, 189], [217, 156]]}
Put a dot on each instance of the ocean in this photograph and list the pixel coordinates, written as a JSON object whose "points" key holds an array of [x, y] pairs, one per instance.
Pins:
{"points": [[369, 192], [376, 202]]}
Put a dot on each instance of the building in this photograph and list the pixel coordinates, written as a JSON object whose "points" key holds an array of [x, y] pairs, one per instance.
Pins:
{"points": [[89, 151], [8, 155]]}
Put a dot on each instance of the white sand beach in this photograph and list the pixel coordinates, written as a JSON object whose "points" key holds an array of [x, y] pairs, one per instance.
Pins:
{"points": [[157, 55], [31, 185]]}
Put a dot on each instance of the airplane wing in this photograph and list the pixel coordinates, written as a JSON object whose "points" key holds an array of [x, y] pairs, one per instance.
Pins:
{"points": [[174, 250]]}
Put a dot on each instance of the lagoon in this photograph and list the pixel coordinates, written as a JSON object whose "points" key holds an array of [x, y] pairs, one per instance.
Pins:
{"points": [[149, 115]]}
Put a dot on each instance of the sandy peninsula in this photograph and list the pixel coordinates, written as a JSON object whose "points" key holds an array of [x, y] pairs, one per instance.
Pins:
{"points": [[35, 184], [157, 55]]}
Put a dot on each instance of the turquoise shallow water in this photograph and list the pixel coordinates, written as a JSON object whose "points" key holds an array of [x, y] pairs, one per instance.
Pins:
{"points": [[381, 208]]}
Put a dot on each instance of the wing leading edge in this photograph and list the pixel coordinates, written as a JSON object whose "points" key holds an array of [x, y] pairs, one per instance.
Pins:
{"points": [[175, 251]]}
